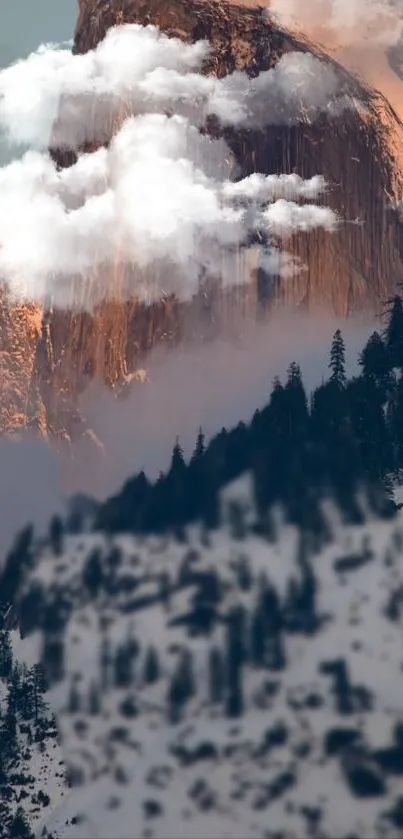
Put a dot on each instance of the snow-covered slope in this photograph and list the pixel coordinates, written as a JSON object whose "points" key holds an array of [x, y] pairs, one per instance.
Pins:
{"points": [[230, 684]]}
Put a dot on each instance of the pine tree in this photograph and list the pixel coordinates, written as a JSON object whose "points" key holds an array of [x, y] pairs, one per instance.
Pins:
{"points": [[369, 426], [123, 667], [178, 465], [8, 735], [18, 560], [234, 704], [216, 676], [93, 573], [297, 402], [26, 700], [74, 700], [186, 675], [236, 520], [395, 425], [14, 689], [151, 666], [175, 490], [374, 361], [6, 655], [105, 664], [394, 333], [267, 643], [19, 827], [181, 687], [337, 362], [38, 685], [56, 531], [52, 658], [200, 447]]}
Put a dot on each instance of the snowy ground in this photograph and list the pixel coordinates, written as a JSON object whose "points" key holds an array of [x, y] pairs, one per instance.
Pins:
{"points": [[296, 763]]}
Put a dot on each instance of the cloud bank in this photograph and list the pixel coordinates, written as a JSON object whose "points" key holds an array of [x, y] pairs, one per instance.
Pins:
{"points": [[137, 69], [160, 201]]}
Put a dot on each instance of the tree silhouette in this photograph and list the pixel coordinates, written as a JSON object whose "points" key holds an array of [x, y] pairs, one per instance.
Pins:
{"points": [[151, 666], [56, 531], [6, 655], [337, 363], [374, 360], [216, 675], [394, 333], [236, 650], [19, 827]]}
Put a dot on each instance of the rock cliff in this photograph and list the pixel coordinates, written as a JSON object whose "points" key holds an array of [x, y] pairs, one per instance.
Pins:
{"points": [[358, 153]]}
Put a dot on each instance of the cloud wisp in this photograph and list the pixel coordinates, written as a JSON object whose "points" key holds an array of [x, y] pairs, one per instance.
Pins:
{"points": [[374, 22]]}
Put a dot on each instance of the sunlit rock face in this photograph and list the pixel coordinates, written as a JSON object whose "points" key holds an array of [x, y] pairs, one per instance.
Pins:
{"points": [[347, 272]]}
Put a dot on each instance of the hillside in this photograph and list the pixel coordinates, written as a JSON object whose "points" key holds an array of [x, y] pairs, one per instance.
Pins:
{"points": [[227, 683]]}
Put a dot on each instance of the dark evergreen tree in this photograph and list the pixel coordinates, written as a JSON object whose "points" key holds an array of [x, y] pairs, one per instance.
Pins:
{"points": [[114, 559], [18, 560], [56, 532], [395, 425], [279, 416], [369, 426], [267, 643], [38, 686], [329, 412], [257, 639], [93, 576], [297, 403], [375, 363], [216, 676], [19, 827], [200, 446], [14, 689], [8, 735], [181, 687], [6, 655], [26, 699], [236, 650], [123, 667], [337, 363], [236, 520], [74, 701], [394, 333], [52, 658], [151, 666], [105, 663]]}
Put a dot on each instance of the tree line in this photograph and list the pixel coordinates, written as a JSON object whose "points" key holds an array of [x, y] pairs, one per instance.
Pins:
{"points": [[347, 435]]}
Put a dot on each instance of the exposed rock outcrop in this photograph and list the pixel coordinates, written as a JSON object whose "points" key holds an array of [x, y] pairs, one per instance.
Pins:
{"points": [[358, 153]]}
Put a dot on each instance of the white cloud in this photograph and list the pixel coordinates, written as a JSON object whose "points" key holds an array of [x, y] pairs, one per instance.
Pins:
{"points": [[159, 202], [287, 217], [136, 70]]}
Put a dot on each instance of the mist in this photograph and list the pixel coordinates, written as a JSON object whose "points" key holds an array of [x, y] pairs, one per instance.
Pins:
{"points": [[30, 488], [213, 385], [361, 34]]}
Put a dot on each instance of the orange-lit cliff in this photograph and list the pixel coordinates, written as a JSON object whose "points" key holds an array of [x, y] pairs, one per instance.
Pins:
{"points": [[47, 361]]}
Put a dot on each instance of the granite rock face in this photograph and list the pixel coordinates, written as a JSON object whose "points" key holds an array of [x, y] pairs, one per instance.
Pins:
{"points": [[353, 271]]}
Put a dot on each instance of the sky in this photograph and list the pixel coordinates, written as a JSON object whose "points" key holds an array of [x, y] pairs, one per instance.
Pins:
{"points": [[26, 23]]}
